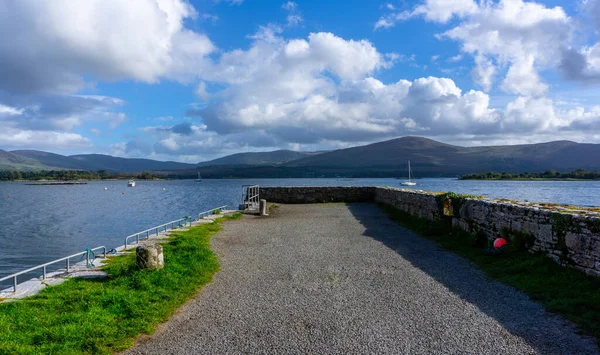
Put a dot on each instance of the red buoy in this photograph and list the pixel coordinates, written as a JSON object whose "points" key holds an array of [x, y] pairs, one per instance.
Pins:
{"points": [[8, 195], [500, 244]]}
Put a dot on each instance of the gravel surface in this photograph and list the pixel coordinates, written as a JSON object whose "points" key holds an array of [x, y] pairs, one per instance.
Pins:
{"points": [[335, 278]]}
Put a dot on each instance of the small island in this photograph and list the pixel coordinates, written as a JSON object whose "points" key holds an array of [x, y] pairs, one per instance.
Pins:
{"points": [[579, 174]]}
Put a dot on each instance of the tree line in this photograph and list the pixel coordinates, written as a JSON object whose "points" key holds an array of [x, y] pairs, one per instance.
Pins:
{"points": [[70, 175], [579, 174]]}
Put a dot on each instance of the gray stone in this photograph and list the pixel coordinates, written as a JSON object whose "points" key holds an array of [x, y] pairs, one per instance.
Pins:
{"points": [[263, 207], [149, 256]]}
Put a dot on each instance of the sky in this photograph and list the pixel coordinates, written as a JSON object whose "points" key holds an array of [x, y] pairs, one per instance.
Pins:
{"points": [[195, 80]]}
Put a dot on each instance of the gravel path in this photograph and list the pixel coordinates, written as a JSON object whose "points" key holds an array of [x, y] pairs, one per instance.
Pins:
{"points": [[334, 278]]}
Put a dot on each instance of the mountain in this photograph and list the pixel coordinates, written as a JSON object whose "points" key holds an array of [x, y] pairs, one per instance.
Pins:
{"points": [[429, 157], [49, 160], [38, 160], [383, 159], [110, 163], [260, 158], [9, 160]]}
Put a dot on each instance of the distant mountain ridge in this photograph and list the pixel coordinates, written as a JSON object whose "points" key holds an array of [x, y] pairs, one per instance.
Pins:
{"points": [[429, 156], [383, 159], [95, 162], [259, 158], [10, 160]]}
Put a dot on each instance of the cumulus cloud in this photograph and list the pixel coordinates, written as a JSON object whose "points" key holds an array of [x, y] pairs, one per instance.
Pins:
{"points": [[432, 10], [517, 37], [294, 16], [38, 120], [315, 92], [24, 138], [300, 92], [104, 39]]}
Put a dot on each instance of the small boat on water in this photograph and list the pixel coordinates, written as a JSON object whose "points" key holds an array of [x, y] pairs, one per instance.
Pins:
{"points": [[199, 179], [409, 182], [131, 183]]}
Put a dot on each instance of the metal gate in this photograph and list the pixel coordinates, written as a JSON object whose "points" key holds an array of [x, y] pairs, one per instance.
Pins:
{"points": [[250, 197]]}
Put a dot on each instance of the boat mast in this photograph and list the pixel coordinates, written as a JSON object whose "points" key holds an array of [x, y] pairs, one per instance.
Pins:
{"points": [[409, 171]]}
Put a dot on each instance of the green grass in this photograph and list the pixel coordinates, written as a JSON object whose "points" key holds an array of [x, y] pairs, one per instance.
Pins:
{"points": [[106, 315], [561, 290]]}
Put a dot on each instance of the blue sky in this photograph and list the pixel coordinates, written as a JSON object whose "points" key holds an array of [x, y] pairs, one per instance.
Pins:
{"points": [[191, 81]]}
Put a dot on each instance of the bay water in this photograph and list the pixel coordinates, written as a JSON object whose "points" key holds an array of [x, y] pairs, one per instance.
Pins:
{"points": [[42, 223]]}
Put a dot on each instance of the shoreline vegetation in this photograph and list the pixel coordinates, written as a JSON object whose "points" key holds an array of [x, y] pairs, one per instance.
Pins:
{"points": [[550, 175], [561, 290], [104, 316], [72, 175]]}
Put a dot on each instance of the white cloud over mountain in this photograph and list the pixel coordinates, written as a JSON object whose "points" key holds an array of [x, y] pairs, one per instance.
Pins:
{"points": [[315, 91]]}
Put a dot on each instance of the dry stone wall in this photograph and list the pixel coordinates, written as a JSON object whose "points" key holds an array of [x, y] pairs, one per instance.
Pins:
{"points": [[570, 239], [314, 194]]}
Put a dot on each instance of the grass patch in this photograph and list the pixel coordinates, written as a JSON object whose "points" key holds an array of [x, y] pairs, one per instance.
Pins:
{"points": [[106, 315], [561, 290]]}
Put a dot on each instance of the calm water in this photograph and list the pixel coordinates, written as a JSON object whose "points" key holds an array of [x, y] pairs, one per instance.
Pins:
{"points": [[41, 223]]}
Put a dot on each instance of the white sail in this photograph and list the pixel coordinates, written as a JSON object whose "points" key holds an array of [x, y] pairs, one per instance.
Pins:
{"points": [[409, 182]]}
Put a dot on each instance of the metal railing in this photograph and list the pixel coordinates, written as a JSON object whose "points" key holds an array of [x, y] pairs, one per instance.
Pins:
{"points": [[201, 215], [250, 197], [140, 235], [155, 230], [43, 266], [164, 227]]}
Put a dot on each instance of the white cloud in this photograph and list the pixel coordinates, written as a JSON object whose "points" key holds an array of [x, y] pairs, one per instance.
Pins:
{"points": [[455, 58], [230, 2], [61, 112], [523, 79], [484, 72], [432, 10], [444, 10], [301, 92], [103, 39], [210, 18], [30, 139], [520, 37], [294, 16], [10, 111], [289, 6]]}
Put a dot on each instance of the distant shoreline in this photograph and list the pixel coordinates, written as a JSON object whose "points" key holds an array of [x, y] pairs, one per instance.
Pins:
{"points": [[58, 183], [529, 179]]}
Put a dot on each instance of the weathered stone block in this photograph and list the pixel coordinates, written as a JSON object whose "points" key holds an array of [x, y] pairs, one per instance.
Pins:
{"points": [[149, 256]]}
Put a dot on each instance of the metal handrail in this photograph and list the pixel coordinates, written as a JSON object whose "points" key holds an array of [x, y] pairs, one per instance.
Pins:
{"points": [[251, 197], [43, 266], [156, 230], [209, 212]]}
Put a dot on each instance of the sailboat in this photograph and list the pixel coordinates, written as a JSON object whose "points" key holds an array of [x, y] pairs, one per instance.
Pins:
{"points": [[409, 182], [199, 179]]}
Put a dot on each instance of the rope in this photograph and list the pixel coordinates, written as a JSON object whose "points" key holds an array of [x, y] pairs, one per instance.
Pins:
{"points": [[90, 255]]}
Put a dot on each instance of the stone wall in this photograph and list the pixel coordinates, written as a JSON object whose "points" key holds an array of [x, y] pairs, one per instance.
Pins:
{"points": [[312, 194], [571, 239]]}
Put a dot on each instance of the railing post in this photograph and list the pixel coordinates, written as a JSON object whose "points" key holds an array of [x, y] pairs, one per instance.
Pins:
{"points": [[137, 238], [104, 252], [15, 283], [87, 258], [68, 265], [147, 234], [157, 231], [44, 273]]}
